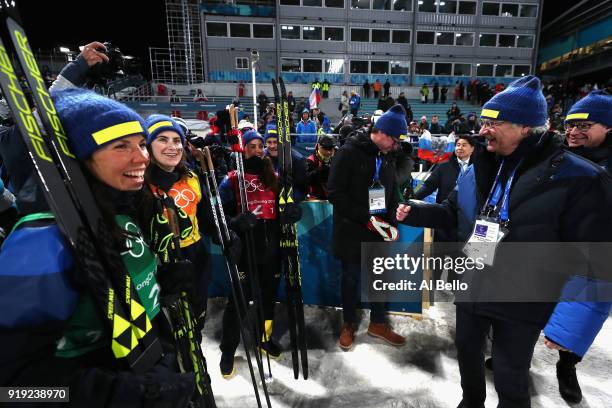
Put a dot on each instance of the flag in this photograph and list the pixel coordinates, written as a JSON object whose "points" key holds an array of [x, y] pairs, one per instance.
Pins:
{"points": [[436, 149], [314, 98]]}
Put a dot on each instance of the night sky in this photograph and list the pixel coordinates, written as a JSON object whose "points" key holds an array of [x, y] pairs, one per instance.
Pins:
{"points": [[133, 29]]}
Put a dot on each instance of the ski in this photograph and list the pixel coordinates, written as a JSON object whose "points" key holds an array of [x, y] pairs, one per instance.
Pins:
{"points": [[290, 263], [73, 205], [240, 304], [178, 311], [260, 332]]}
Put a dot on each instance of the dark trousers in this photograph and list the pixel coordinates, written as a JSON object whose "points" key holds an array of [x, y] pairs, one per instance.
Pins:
{"points": [[269, 277], [513, 344], [198, 295], [354, 111], [351, 295]]}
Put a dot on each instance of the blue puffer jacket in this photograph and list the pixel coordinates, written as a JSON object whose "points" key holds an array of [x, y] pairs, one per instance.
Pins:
{"points": [[575, 322]]}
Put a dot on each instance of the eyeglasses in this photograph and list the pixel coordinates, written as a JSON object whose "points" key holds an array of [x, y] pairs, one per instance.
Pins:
{"points": [[491, 123], [582, 126]]}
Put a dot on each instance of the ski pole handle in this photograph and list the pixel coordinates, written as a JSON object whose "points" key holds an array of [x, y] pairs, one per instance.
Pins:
{"points": [[208, 158]]}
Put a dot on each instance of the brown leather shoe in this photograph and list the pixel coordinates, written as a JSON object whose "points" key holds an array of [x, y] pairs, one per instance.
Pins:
{"points": [[347, 337], [385, 332]]}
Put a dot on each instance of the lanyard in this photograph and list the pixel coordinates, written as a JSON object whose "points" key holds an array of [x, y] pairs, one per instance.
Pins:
{"points": [[496, 192], [377, 174]]}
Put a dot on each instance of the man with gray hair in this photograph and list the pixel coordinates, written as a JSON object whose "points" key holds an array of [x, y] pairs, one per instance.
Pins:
{"points": [[536, 192]]}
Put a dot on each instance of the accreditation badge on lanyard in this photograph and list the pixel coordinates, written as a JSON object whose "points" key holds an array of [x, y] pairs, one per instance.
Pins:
{"points": [[376, 192], [490, 229]]}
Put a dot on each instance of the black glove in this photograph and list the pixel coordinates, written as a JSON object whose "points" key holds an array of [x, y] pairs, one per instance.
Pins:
{"points": [[234, 247], [175, 277], [292, 213], [243, 222]]}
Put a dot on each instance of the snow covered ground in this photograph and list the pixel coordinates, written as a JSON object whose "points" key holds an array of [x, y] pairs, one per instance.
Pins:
{"points": [[422, 374]]}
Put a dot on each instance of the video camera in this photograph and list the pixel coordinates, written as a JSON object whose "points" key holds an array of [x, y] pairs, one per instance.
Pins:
{"points": [[101, 73]]}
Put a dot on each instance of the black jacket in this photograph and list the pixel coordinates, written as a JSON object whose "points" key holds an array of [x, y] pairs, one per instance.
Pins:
{"points": [[350, 177], [443, 179], [556, 196]]}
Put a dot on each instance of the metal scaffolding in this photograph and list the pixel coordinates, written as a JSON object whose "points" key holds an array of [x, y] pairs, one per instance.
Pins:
{"points": [[181, 62]]}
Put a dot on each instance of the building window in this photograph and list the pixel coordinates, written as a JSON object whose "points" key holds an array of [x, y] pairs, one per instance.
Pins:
{"points": [[240, 30], [427, 6], [401, 36], [528, 10], [290, 2], [444, 68], [506, 40], [334, 34], [289, 32], [402, 5], [509, 10], [490, 9], [360, 4], [524, 41], [447, 7], [462, 70], [360, 34], [359, 67], [484, 70], [488, 40], [503, 70], [242, 63], [312, 3], [400, 67], [521, 70], [334, 3], [445, 38], [381, 5], [291, 65], [312, 33], [464, 39], [423, 68], [312, 65], [467, 7], [216, 29], [382, 36], [263, 31], [334, 66], [425, 37], [379, 67]]}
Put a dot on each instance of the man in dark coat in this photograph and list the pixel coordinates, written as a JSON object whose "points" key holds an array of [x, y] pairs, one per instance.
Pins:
{"points": [[548, 196], [366, 89], [386, 87], [318, 165], [359, 171]]}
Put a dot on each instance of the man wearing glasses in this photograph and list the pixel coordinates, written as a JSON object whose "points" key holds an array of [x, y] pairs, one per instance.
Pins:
{"points": [[538, 193], [574, 325]]}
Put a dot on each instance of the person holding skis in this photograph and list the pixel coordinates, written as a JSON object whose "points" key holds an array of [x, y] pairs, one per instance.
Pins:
{"points": [[53, 334], [362, 170], [175, 188], [261, 185]]}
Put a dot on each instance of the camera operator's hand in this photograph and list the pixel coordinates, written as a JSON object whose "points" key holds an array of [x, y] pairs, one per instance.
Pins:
{"points": [[91, 54]]}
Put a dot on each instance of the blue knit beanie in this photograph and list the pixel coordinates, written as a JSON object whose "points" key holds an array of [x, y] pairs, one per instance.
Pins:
{"points": [[91, 120], [522, 102], [393, 122], [596, 107], [247, 137], [158, 123], [270, 131]]}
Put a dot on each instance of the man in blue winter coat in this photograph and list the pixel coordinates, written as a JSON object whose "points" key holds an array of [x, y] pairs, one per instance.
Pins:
{"points": [[306, 128], [575, 324], [538, 193], [354, 103]]}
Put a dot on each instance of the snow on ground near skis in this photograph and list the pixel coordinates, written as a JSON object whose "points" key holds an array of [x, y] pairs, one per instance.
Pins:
{"points": [[422, 374]]}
